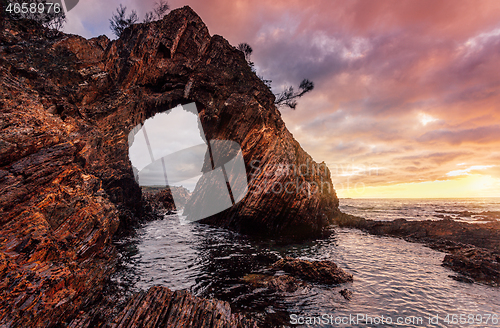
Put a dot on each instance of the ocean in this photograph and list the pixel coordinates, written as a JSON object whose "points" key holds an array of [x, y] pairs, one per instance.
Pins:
{"points": [[465, 209]]}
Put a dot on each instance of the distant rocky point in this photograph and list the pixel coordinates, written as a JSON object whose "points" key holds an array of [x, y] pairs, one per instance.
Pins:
{"points": [[161, 199]]}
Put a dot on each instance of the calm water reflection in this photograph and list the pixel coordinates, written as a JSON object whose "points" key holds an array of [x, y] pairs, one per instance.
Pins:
{"points": [[391, 277]]}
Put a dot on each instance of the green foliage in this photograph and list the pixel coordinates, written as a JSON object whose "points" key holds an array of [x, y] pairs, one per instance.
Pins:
{"points": [[160, 10], [119, 21], [289, 97], [246, 49]]}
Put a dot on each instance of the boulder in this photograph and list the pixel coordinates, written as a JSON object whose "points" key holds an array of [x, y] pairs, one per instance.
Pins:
{"points": [[283, 283], [160, 307], [324, 272]]}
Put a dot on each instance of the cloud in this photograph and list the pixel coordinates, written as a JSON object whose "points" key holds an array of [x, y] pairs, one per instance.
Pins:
{"points": [[480, 135], [470, 170], [437, 158], [90, 18], [410, 86]]}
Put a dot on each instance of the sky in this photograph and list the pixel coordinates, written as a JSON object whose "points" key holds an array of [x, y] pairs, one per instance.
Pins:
{"points": [[407, 93]]}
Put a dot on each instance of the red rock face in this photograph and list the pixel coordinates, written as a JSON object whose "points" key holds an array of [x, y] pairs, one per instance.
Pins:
{"points": [[67, 105], [160, 307], [163, 200]]}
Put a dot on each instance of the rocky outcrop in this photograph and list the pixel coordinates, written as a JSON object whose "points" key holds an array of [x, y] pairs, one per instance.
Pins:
{"points": [[476, 263], [283, 283], [346, 293], [480, 235], [160, 307], [473, 249], [324, 272], [67, 106], [163, 201]]}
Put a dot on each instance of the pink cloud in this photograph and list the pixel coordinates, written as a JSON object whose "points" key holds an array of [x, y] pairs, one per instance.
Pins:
{"points": [[377, 66]]}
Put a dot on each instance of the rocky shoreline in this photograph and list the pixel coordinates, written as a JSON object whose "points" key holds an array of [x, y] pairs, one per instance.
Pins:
{"points": [[67, 187], [161, 307], [264, 274], [473, 250]]}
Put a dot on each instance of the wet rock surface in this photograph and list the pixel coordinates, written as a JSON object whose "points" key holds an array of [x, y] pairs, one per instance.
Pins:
{"points": [[324, 272], [67, 105], [161, 307], [473, 249], [476, 263], [346, 293], [299, 273], [162, 200], [479, 216], [283, 283]]}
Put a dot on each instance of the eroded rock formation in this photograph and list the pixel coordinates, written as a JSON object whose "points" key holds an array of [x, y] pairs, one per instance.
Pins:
{"points": [[160, 307], [67, 105]]}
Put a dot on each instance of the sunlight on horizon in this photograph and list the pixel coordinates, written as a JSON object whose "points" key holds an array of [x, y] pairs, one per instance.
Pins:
{"points": [[470, 186]]}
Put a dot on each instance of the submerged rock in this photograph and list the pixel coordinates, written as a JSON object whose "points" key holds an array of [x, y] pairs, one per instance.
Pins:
{"points": [[283, 283], [346, 293], [324, 272], [462, 279]]}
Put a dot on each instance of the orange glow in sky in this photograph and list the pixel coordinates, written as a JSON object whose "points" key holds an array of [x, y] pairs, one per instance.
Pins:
{"points": [[410, 87], [463, 187]]}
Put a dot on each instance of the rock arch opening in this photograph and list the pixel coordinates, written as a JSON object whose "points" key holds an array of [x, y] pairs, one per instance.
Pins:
{"points": [[171, 150], [159, 145]]}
